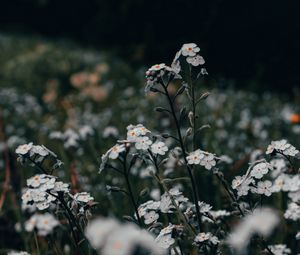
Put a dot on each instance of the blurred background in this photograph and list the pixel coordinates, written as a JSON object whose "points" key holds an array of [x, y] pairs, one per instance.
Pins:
{"points": [[251, 44]]}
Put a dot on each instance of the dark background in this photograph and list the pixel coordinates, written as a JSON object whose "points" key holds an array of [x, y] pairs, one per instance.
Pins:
{"points": [[252, 43]]}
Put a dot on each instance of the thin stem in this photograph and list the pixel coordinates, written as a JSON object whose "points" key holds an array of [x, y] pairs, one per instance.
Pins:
{"points": [[184, 156], [130, 190]]}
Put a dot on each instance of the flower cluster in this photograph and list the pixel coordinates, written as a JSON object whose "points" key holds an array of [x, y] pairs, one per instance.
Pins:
{"points": [[43, 223], [282, 147], [109, 237], [43, 190], [203, 158]]}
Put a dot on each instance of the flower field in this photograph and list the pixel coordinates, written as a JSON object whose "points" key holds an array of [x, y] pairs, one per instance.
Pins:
{"points": [[98, 157]]}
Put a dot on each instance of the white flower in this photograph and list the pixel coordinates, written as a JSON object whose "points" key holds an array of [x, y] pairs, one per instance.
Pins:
{"points": [[157, 67], [40, 150], [264, 188], [159, 148], [190, 49], [293, 212], [242, 185], [83, 197], [279, 183], [110, 131], [202, 237], [61, 187], [260, 170], [112, 238], [24, 149], [116, 150], [36, 180], [208, 161], [18, 253], [204, 207], [44, 223], [195, 157], [261, 222], [280, 249], [150, 217], [142, 143], [282, 146], [85, 131], [196, 60], [164, 240]]}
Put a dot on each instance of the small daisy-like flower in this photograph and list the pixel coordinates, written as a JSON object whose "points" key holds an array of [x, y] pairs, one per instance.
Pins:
{"points": [[116, 150], [204, 237], [36, 180], [189, 49], [196, 60], [83, 197], [39, 150], [143, 143], [195, 157], [24, 149], [159, 148], [293, 212], [264, 188], [150, 217], [208, 161], [260, 170]]}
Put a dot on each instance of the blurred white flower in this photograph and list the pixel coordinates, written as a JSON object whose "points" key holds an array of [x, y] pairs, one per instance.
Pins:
{"points": [[84, 197], [111, 238], [44, 223], [24, 148], [280, 249], [292, 212], [116, 150], [206, 237], [261, 222]]}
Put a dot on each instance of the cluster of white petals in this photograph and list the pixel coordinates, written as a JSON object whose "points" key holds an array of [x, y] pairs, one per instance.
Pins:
{"points": [[282, 146], [43, 223], [203, 158]]}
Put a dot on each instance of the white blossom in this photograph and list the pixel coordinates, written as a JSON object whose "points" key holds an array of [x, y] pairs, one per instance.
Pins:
{"points": [[159, 148], [24, 148]]}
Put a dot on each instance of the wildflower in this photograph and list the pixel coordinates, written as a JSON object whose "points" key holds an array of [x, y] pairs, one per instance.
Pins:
{"points": [[40, 150], [18, 253], [110, 131], [83, 197], [143, 143], [280, 249], [260, 170], [261, 222], [159, 148], [279, 183], [111, 238], [150, 217], [293, 212], [44, 223], [196, 60], [195, 157], [37, 180], [165, 239], [204, 207], [283, 147], [116, 150], [242, 185], [264, 188], [206, 237], [190, 49], [133, 132], [24, 149]]}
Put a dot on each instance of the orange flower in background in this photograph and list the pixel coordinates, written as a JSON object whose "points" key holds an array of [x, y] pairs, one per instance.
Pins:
{"points": [[295, 118]]}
